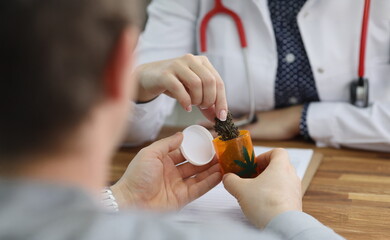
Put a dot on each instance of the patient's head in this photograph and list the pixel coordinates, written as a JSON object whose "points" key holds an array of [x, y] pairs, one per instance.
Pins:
{"points": [[59, 60]]}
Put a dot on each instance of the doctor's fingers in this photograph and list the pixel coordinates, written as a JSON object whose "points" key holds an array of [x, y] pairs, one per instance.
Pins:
{"points": [[191, 81], [175, 89], [220, 102], [208, 88], [207, 77]]}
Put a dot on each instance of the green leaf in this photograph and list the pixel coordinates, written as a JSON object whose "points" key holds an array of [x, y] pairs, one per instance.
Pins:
{"points": [[246, 155], [249, 166], [239, 163], [242, 173]]}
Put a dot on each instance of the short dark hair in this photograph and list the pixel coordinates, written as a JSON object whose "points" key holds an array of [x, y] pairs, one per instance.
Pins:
{"points": [[52, 58]]}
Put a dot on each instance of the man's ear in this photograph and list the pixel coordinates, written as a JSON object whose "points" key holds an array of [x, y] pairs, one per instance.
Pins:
{"points": [[120, 65]]}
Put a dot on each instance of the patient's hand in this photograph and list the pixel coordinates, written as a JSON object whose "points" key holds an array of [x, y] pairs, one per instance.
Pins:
{"points": [[276, 190], [153, 181]]}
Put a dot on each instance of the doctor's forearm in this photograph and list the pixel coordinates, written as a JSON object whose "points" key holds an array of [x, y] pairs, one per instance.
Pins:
{"points": [[280, 124]]}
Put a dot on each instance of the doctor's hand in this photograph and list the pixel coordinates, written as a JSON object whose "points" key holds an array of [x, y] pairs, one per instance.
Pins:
{"points": [[279, 124], [191, 80], [276, 190], [153, 181]]}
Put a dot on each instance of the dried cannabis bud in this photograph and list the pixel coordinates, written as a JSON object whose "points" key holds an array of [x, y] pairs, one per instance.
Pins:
{"points": [[226, 130]]}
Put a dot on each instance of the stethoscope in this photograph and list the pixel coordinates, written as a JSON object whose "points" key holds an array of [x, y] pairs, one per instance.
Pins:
{"points": [[358, 89]]}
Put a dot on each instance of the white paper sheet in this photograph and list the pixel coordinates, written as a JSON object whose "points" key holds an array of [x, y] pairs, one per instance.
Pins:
{"points": [[218, 203]]}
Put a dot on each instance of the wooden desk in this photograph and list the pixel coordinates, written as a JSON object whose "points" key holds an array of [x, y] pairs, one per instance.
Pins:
{"points": [[349, 193]]}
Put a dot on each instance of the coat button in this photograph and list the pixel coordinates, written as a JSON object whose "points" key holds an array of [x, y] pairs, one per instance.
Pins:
{"points": [[320, 70], [290, 58], [293, 100]]}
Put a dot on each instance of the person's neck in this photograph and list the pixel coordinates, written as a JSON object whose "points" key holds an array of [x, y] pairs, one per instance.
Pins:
{"points": [[84, 164], [80, 170]]}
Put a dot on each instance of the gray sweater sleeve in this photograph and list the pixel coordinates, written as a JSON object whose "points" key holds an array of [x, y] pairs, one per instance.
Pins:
{"points": [[296, 225], [38, 211], [287, 226]]}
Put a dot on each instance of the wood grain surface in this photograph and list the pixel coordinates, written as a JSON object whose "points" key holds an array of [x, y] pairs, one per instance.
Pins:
{"points": [[350, 192]]}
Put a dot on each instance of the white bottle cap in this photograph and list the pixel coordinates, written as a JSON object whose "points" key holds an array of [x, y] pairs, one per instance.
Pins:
{"points": [[197, 146]]}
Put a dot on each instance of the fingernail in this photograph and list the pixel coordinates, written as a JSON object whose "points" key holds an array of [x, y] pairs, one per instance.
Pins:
{"points": [[223, 115], [189, 108]]}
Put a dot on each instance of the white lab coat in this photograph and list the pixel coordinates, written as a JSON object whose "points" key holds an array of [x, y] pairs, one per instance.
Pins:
{"points": [[330, 30]]}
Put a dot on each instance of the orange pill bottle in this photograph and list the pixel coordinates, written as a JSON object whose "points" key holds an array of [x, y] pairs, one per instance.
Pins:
{"points": [[237, 155]]}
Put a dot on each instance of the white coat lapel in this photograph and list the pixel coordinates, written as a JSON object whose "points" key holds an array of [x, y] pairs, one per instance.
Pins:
{"points": [[262, 5]]}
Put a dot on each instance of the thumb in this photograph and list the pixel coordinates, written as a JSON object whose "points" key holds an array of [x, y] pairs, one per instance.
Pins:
{"points": [[233, 184], [167, 145]]}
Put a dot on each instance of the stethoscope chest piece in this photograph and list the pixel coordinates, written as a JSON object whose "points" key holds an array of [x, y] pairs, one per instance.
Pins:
{"points": [[359, 92]]}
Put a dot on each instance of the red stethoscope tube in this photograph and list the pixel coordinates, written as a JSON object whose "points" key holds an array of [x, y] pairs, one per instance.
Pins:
{"points": [[219, 8], [363, 39]]}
